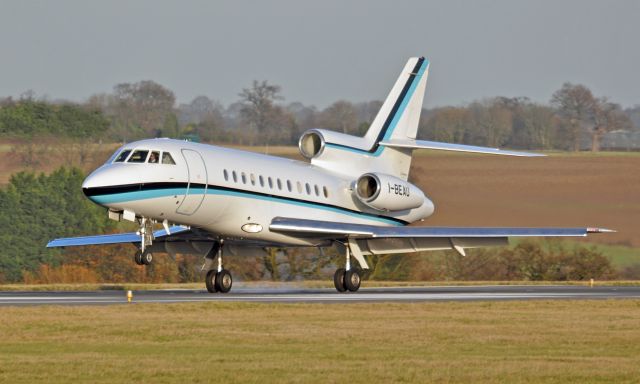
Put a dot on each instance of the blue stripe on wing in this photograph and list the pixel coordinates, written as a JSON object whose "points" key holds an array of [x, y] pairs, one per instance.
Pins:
{"points": [[118, 238]]}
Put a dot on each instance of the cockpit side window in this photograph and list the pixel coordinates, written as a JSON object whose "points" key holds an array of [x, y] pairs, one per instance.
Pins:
{"points": [[154, 157], [139, 156], [122, 156], [167, 159]]}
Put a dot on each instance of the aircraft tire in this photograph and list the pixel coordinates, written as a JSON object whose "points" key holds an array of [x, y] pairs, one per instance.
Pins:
{"points": [[138, 257], [352, 280], [338, 280], [210, 281], [147, 258], [224, 281]]}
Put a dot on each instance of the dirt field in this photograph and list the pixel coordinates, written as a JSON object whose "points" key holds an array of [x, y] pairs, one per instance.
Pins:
{"points": [[559, 190]]}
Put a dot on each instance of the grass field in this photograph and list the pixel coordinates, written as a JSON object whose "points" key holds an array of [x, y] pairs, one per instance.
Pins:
{"points": [[498, 342]]}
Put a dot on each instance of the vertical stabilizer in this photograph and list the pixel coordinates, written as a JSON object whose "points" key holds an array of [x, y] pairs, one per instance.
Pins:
{"points": [[397, 119]]}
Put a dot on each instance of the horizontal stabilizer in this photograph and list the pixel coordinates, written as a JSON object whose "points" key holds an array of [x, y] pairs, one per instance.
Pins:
{"points": [[119, 238], [423, 144]]}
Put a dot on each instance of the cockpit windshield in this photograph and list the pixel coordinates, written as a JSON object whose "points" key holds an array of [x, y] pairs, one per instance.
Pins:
{"points": [[154, 157], [123, 156], [142, 156], [139, 156], [167, 159]]}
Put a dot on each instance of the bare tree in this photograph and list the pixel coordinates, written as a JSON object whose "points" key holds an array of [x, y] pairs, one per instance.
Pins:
{"points": [[448, 124], [340, 116], [576, 105], [492, 121], [258, 105], [607, 117]]}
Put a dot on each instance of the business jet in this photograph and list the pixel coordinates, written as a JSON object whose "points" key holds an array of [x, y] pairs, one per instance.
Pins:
{"points": [[352, 193]]}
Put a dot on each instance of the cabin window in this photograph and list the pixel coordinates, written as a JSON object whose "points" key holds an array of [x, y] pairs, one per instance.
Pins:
{"points": [[270, 182], [167, 159], [123, 156], [316, 190], [244, 178], [226, 175], [252, 177], [299, 185], [308, 188], [325, 191], [289, 185], [261, 180], [154, 157], [279, 184], [139, 156], [235, 177]]}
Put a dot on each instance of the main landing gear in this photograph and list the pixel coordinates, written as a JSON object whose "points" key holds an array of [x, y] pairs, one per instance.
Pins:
{"points": [[347, 278], [218, 280]]}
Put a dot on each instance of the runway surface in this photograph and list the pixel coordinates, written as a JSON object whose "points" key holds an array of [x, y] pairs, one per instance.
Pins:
{"points": [[306, 295]]}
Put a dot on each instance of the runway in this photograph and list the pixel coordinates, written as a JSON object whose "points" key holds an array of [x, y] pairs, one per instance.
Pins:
{"points": [[328, 295]]}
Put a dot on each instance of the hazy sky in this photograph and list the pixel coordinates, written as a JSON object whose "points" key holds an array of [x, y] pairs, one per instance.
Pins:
{"points": [[321, 51]]}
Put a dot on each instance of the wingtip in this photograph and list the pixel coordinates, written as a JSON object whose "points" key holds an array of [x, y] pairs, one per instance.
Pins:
{"points": [[601, 230]]}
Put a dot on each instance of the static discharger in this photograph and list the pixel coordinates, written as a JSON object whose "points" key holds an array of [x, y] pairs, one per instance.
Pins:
{"points": [[129, 296]]}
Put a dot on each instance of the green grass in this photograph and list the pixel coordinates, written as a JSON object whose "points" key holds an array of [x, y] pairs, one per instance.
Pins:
{"points": [[475, 342], [621, 256]]}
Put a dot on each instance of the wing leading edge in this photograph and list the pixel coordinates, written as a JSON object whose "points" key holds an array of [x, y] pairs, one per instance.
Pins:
{"points": [[119, 238], [314, 227], [375, 240]]}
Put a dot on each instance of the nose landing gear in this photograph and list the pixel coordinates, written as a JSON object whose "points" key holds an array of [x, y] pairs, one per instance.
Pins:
{"points": [[143, 258]]}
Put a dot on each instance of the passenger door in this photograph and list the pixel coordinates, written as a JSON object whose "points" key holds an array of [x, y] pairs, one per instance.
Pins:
{"points": [[197, 187]]}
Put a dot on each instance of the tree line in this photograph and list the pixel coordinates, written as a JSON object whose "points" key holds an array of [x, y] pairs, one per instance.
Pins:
{"points": [[573, 116]]}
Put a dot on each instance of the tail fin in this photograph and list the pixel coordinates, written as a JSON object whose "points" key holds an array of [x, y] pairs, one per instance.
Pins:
{"points": [[399, 116], [397, 120]]}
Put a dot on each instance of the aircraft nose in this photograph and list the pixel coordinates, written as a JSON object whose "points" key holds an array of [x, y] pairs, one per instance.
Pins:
{"points": [[103, 181]]}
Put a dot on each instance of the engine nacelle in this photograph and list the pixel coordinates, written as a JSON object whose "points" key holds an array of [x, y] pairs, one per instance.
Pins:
{"points": [[388, 193], [311, 144]]}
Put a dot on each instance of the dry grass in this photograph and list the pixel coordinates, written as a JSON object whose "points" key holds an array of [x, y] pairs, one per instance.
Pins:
{"points": [[515, 342]]}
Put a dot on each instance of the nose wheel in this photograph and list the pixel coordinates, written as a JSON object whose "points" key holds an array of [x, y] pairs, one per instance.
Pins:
{"points": [[143, 257]]}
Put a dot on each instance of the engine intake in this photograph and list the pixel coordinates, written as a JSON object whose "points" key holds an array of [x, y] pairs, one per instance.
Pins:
{"points": [[311, 144], [388, 193]]}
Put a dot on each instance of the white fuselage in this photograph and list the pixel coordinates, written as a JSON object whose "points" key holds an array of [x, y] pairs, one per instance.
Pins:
{"points": [[233, 194]]}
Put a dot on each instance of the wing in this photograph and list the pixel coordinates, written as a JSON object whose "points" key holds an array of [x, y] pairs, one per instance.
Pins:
{"points": [[423, 144], [119, 238], [374, 240]]}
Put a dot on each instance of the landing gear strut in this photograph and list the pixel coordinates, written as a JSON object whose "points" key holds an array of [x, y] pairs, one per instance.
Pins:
{"points": [[143, 256], [218, 280], [347, 278]]}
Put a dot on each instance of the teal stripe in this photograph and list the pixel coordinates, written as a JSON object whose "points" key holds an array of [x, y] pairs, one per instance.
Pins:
{"points": [[152, 194]]}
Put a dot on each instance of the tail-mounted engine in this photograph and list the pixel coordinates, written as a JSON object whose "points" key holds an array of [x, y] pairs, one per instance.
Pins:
{"points": [[311, 144], [388, 193]]}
